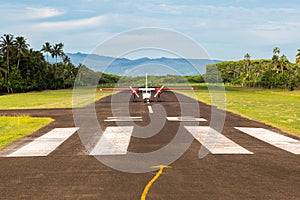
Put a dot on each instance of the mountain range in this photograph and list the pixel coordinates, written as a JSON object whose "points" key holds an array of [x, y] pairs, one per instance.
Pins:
{"points": [[136, 67]]}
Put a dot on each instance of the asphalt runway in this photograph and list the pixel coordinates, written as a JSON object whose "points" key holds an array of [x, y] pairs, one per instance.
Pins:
{"points": [[239, 166]]}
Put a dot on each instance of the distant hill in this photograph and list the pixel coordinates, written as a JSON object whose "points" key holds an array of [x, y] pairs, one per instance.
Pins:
{"points": [[153, 66]]}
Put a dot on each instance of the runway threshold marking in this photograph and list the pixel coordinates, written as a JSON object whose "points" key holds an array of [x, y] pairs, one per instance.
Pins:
{"points": [[150, 183], [114, 141], [186, 119], [45, 144], [123, 119], [215, 142], [150, 109], [275, 139]]}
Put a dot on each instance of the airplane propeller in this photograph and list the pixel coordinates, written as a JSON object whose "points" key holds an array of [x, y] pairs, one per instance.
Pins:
{"points": [[158, 91], [134, 92]]}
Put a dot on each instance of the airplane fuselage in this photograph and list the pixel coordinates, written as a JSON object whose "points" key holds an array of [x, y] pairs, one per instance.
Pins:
{"points": [[146, 95]]}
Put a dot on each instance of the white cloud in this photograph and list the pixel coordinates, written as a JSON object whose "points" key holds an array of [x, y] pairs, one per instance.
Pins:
{"points": [[224, 29], [40, 12], [170, 9], [21, 13], [73, 24], [276, 33]]}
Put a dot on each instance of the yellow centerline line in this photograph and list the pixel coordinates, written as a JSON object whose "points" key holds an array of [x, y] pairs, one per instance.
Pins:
{"points": [[147, 188]]}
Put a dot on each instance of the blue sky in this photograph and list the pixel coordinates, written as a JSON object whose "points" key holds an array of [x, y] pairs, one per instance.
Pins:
{"points": [[227, 29]]}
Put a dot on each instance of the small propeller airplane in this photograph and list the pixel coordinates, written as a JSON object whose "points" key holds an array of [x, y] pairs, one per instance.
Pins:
{"points": [[146, 91]]}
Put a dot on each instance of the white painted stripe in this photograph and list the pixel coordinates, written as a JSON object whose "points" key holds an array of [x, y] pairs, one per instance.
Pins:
{"points": [[275, 139], [150, 109], [186, 119], [123, 119], [114, 141], [45, 144], [215, 142]]}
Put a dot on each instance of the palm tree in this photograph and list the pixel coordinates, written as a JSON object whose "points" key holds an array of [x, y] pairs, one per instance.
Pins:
{"points": [[2, 68], [298, 58], [247, 64], [46, 48], [66, 59], [6, 44], [276, 51], [57, 51], [283, 62], [37, 58], [62, 53], [256, 73], [68, 74], [275, 58], [22, 47], [247, 56]]}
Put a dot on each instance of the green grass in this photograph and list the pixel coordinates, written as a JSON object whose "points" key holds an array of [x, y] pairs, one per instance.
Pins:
{"points": [[275, 107], [50, 99], [13, 128]]}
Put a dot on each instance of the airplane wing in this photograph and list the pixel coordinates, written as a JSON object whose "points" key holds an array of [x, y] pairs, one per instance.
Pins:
{"points": [[162, 88], [134, 90], [144, 89], [179, 88], [137, 89], [146, 92], [114, 89]]}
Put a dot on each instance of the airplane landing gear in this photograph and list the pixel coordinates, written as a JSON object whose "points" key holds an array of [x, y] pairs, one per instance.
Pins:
{"points": [[158, 98], [134, 99]]}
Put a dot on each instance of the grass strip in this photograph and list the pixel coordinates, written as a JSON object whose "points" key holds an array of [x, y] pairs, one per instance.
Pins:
{"points": [[50, 99], [276, 107], [13, 128]]}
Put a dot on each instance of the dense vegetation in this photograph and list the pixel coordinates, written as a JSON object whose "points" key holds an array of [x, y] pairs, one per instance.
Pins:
{"points": [[24, 69], [278, 72], [158, 80]]}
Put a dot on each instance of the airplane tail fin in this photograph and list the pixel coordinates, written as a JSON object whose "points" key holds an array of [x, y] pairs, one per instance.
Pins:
{"points": [[146, 81]]}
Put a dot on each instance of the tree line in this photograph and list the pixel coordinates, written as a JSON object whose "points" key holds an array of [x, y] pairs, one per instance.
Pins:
{"points": [[277, 72], [24, 69]]}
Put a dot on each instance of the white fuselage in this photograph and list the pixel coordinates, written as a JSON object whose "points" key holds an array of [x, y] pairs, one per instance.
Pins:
{"points": [[146, 95]]}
